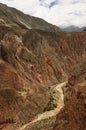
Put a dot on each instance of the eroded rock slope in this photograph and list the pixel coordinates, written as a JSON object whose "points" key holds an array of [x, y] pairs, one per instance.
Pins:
{"points": [[32, 60]]}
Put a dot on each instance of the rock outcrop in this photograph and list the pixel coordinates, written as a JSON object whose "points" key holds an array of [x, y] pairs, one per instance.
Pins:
{"points": [[34, 55], [73, 115]]}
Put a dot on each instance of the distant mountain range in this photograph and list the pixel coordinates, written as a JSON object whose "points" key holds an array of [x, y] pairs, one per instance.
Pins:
{"points": [[84, 29], [74, 29]]}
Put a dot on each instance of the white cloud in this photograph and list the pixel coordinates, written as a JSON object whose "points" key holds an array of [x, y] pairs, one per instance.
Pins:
{"points": [[62, 12]]}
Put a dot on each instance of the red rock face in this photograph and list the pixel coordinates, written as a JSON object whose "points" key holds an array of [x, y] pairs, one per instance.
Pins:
{"points": [[73, 115], [21, 90], [30, 62], [7, 127]]}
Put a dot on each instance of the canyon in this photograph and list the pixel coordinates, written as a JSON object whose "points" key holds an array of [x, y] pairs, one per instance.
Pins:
{"points": [[35, 56]]}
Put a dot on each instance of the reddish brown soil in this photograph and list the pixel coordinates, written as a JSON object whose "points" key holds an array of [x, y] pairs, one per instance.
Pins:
{"points": [[73, 115], [33, 60]]}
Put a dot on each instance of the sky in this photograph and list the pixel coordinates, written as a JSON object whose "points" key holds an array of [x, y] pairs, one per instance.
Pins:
{"points": [[62, 13]]}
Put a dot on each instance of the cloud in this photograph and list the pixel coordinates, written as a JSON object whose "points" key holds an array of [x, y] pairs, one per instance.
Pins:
{"points": [[48, 3], [62, 13], [27, 6]]}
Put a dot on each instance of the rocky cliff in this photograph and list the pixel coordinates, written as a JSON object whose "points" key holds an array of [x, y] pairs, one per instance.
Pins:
{"points": [[34, 55], [73, 115]]}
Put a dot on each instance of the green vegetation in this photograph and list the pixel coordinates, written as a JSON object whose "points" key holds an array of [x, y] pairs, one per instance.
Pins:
{"points": [[51, 104]]}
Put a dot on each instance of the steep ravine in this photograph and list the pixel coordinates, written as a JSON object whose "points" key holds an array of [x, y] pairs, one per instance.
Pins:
{"points": [[47, 119], [34, 56]]}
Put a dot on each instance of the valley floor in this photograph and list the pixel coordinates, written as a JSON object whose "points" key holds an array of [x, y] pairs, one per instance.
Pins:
{"points": [[47, 118]]}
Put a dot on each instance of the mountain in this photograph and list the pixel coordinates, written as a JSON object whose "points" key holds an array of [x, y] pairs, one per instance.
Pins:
{"points": [[34, 57], [16, 19], [73, 29], [84, 29]]}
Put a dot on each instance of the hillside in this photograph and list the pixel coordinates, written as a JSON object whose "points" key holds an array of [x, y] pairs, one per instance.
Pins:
{"points": [[34, 55], [16, 19], [73, 115]]}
